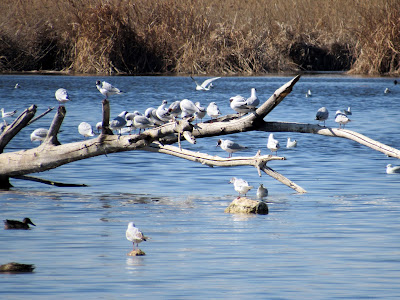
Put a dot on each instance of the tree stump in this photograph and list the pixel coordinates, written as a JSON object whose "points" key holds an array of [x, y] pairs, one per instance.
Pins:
{"points": [[247, 206]]}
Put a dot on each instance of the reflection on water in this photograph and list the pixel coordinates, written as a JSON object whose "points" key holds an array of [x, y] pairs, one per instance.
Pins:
{"points": [[340, 240]]}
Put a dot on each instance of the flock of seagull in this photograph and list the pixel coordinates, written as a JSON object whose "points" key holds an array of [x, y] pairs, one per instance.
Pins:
{"points": [[125, 122]]}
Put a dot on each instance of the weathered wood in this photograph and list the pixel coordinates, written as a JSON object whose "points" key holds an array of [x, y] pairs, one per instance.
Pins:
{"points": [[258, 161], [15, 127], [332, 132], [49, 182]]}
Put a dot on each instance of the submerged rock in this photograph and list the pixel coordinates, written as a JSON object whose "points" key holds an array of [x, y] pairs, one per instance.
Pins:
{"points": [[136, 252], [247, 206], [14, 267]]}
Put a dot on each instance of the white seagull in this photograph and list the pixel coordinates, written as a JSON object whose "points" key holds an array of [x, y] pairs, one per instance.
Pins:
{"points": [[240, 185], [118, 122], [273, 144], [253, 100], [39, 134], [291, 143], [7, 114], [175, 108], [206, 85], [99, 126], [142, 122], [162, 112], [238, 103], [188, 108], [150, 113], [308, 94], [85, 129], [202, 111], [392, 169], [341, 118], [62, 96], [213, 110], [230, 146], [322, 115], [107, 89], [134, 235], [262, 191]]}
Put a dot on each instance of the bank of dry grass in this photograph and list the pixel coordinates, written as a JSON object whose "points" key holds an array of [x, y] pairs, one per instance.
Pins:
{"points": [[200, 36]]}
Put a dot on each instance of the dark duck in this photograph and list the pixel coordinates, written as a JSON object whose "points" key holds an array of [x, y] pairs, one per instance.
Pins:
{"points": [[13, 224]]}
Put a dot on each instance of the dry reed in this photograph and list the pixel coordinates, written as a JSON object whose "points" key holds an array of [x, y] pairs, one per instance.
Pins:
{"points": [[200, 37]]}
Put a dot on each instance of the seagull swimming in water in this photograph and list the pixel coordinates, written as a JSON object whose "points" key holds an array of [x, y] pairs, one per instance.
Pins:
{"points": [[107, 89], [213, 110], [341, 118], [273, 144], [240, 185], [134, 235], [291, 143], [85, 129], [206, 85], [390, 169], [262, 191], [39, 134], [62, 96], [230, 146], [322, 115], [7, 114]]}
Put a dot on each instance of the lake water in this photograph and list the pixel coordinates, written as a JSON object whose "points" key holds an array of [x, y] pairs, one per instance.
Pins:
{"points": [[341, 240]]}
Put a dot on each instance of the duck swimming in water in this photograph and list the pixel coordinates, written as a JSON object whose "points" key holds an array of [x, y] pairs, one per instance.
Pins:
{"points": [[13, 224]]}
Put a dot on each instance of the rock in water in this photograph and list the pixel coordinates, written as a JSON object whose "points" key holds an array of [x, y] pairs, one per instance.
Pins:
{"points": [[136, 252], [247, 206]]}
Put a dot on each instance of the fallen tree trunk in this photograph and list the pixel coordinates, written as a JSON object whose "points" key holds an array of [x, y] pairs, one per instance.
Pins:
{"points": [[51, 154]]}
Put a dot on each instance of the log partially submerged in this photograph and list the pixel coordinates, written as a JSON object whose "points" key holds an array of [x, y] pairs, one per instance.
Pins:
{"points": [[51, 154]]}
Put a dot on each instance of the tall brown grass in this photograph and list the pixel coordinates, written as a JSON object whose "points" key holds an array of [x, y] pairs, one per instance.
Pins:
{"points": [[200, 36]]}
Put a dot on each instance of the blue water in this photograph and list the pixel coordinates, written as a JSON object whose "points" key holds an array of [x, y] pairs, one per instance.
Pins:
{"points": [[341, 240]]}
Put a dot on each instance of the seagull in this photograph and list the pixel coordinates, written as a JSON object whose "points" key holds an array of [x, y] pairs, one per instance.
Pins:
{"points": [[118, 122], [240, 185], [206, 85], [253, 100], [62, 96], [142, 122], [134, 235], [238, 103], [262, 191], [150, 113], [202, 111], [386, 91], [291, 143], [308, 94], [392, 170], [273, 144], [17, 86], [39, 134], [175, 108], [230, 146], [107, 89], [7, 114], [348, 111], [162, 112], [322, 115], [341, 118], [188, 108], [213, 110], [99, 126], [85, 129], [13, 224]]}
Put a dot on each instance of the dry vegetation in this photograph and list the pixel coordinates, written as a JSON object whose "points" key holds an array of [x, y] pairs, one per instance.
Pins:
{"points": [[200, 36]]}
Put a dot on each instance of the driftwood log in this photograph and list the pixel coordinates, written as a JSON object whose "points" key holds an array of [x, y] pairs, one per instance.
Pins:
{"points": [[51, 154]]}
